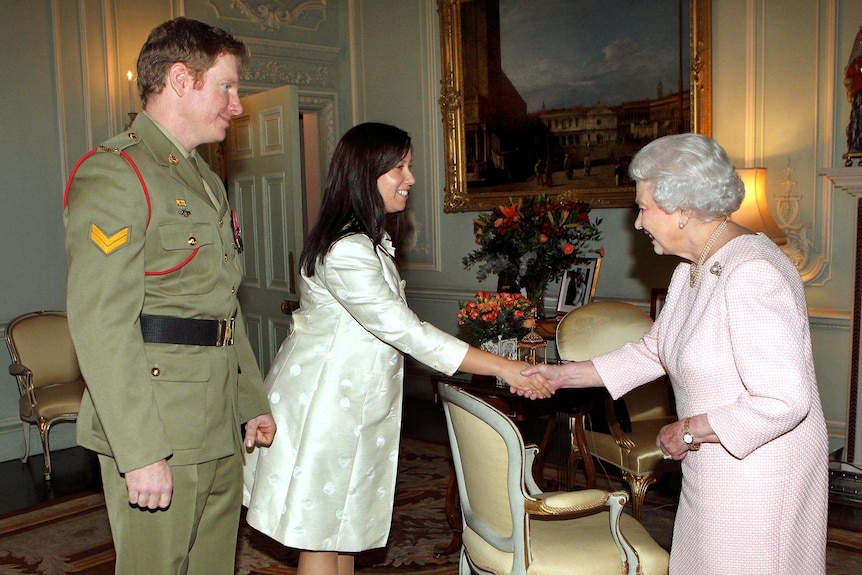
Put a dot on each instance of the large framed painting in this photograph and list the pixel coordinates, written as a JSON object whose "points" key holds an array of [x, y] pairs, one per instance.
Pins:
{"points": [[555, 96]]}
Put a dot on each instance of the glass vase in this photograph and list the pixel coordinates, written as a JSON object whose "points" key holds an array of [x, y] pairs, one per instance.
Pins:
{"points": [[535, 287], [507, 348]]}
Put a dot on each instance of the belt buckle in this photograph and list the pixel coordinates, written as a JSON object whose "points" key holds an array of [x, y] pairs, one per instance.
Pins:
{"points": [[225, 332]]}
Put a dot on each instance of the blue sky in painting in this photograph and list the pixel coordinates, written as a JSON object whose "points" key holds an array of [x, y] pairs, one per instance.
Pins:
{"points": [[564, 53]]}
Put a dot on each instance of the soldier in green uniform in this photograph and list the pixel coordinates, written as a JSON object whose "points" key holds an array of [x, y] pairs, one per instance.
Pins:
{"points": [[153, 310]]}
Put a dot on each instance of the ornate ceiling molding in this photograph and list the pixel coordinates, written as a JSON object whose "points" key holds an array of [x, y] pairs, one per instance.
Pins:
{"points": [[272, 16]]}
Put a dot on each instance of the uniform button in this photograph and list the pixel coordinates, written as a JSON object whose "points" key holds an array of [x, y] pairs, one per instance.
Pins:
{"points": [[225, 257], [232, 291], [221, 223], [156, 372], [193, 241]]}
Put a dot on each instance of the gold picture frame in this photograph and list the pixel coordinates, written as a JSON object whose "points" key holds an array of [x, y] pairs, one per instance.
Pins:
{"points": [[457, 196]]}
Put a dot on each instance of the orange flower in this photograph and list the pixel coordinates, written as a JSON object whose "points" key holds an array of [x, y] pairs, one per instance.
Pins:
{"points": [[491, 316], [534, 237], [510, 212]]}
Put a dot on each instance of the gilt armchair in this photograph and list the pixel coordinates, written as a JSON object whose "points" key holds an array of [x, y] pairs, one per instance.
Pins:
{"points": [[595, 329], [511, 526], [46, 369]]}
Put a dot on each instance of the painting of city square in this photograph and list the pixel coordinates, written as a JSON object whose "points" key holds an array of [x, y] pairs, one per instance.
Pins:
{"points": [[561, 93]]}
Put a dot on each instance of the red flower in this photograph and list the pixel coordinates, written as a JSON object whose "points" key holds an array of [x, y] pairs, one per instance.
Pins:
{"points": [[534, 237]]}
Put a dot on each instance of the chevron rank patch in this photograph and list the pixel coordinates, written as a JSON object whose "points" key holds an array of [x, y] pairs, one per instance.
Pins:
{"points": [[108, 244]]}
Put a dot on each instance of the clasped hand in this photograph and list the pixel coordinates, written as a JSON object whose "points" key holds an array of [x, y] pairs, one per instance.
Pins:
{"points": [[534, 386]]}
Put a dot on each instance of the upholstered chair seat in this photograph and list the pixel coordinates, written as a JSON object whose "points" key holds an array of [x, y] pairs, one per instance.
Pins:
{"points": [[46, 369], [511, 527]]}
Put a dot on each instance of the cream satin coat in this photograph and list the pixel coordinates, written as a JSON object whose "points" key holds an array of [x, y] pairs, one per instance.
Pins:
{"points": [[327, 483]]}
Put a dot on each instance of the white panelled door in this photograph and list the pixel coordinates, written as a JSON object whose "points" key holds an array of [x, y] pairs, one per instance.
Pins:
{"points": [[265, 187]]}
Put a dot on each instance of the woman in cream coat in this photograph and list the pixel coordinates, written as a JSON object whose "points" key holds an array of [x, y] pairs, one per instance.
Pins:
{"points": [[326, 486]]}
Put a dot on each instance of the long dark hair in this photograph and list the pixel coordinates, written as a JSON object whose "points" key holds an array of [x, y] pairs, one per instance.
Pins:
{"points": [[351, 200]]}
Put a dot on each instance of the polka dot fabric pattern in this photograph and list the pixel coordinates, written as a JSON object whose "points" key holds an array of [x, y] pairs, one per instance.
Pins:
{"points": [[327, 482], [737, 347]]}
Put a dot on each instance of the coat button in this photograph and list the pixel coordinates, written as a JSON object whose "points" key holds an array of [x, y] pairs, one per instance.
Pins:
{"points": [[221, 223], [232, 291], [156, 372], [193, 241], [225, 257]]}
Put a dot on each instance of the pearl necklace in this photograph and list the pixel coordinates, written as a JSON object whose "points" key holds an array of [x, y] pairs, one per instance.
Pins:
{"points": [[694, 274]]}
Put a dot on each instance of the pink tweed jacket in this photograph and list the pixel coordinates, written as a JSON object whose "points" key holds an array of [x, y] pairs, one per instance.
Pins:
{"points": [[737, 347]]}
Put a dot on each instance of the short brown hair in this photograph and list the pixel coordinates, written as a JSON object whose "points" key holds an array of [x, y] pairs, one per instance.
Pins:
{"points": [[195, 44]]}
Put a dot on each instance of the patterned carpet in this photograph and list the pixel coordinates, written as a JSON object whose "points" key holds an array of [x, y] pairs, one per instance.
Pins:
{"points": [[418, 529], [73, 535]]}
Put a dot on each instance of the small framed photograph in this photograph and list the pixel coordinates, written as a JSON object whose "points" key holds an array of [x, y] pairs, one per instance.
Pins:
{"points": [[578, 285]]}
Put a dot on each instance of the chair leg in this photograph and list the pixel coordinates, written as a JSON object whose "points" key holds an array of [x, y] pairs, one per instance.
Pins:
{"points": [[26, 427], [44, 429], [463, 564], [539, 464], [580, 452], [638, 485]]}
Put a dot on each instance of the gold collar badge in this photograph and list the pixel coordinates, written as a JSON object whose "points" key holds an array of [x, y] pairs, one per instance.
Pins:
{"points": [[173, 160]]}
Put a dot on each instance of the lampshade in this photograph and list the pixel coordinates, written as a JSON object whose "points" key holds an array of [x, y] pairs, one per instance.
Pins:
{"points": [[754, 213]]}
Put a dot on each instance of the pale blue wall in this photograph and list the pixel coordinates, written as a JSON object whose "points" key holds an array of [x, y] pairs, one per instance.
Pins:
{"points": [[65, 63], [778, 102]]}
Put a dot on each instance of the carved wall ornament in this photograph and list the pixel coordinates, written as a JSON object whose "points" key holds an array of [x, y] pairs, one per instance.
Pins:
{"points": [[799, 244], [270, 72], [271, 16]]}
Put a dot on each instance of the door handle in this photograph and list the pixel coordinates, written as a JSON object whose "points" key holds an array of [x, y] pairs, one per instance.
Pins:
{"points": [[289, 306]]}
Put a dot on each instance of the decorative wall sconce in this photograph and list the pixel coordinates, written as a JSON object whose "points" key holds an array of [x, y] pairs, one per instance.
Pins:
{"points": [[132, 113], [754, 212]]}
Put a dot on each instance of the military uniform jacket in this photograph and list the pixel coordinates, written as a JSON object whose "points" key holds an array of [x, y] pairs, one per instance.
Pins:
{"points": [[167, 252]]}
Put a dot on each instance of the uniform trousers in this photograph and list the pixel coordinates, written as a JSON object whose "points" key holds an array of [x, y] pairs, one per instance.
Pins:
{"points": [[195, 535]]}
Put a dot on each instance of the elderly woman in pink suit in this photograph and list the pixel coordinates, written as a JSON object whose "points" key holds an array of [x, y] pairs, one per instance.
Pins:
{"points": [[734, 339], [327, 486]]}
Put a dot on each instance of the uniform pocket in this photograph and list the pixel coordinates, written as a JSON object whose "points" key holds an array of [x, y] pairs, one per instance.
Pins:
{"points": [[188, 259], [181, 385]]}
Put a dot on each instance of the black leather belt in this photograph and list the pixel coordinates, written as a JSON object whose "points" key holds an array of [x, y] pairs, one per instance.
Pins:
{"points": [[184, 331]]}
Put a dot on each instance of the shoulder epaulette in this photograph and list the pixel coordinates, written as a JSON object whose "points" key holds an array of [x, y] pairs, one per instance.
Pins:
{"points": [[116, 145]]}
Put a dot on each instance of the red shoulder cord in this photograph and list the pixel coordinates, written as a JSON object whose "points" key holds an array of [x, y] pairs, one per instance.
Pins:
{"points": [[146, 196]]}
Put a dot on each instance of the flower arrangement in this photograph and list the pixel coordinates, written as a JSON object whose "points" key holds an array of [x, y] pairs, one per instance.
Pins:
{"points": [[534, 239], [492, 316]]}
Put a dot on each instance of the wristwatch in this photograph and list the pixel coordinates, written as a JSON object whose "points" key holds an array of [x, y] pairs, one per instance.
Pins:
{"points": [[687, 437]]}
